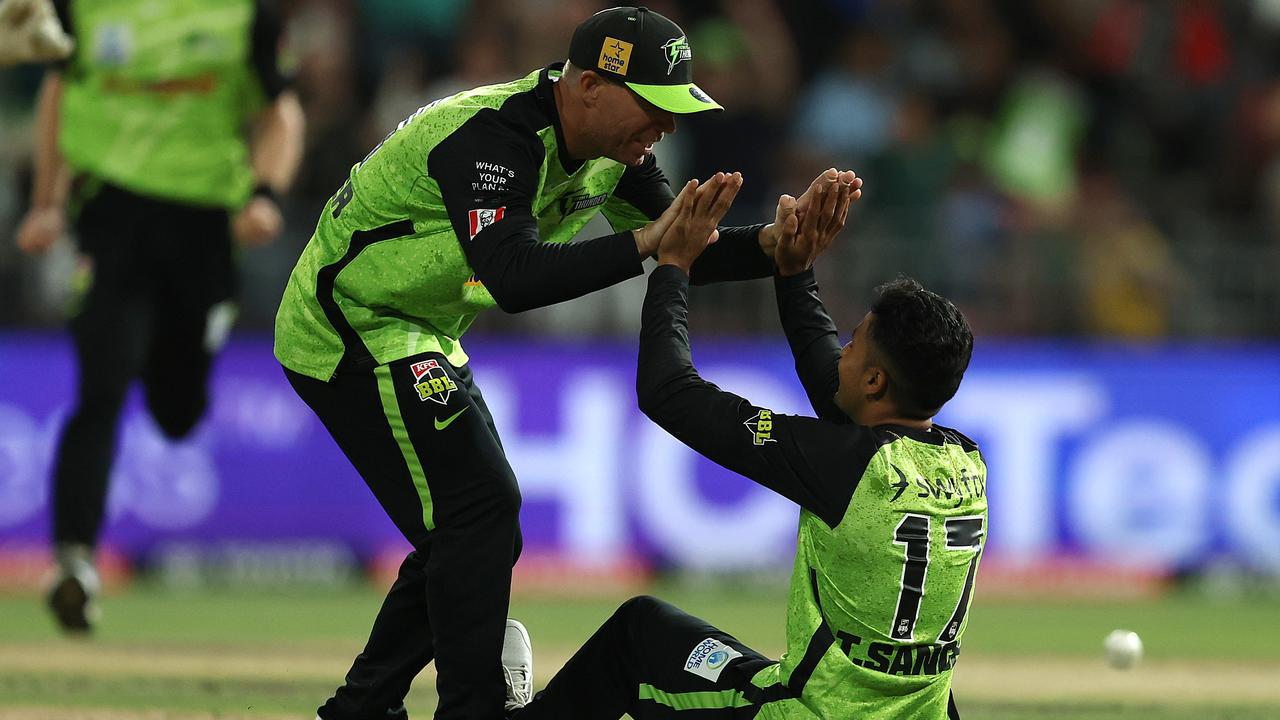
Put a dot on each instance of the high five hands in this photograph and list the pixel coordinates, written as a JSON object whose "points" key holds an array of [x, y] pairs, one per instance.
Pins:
{"points": [[829, 196], [694, 215], [804, 228]]}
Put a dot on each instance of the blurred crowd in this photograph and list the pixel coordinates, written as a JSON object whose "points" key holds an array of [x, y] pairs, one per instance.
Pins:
{"points": [[1104, 168]]}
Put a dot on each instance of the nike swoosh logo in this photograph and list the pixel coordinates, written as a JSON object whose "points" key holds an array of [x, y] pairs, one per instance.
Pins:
{"points": [[442, 424]]}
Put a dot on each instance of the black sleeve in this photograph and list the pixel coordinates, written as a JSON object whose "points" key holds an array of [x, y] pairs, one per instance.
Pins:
{"points": [[488, 172], [813, 462], [268, 29], [735, 256], [814, 341]]}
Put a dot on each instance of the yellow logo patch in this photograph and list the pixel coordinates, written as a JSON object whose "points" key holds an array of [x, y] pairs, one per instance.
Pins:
{"points": [[615, 55]]}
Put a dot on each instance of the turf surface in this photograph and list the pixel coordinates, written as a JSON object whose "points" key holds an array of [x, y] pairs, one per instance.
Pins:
{"points": [[163, 655]]}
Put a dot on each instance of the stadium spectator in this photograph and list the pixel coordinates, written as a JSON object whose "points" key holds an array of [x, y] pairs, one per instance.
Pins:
{"points": [[1169, 96]]}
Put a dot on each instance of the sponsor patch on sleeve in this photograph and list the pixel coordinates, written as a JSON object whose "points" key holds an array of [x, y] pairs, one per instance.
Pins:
{"points": [[761, 427], [482, 218], [709, 658], [492, 177]]}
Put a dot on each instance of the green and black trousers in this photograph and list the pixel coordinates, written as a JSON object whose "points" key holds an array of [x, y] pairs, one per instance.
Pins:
{"points": [[419, 433]]}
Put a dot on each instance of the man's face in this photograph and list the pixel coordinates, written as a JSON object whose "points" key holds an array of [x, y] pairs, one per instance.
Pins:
{"points": [[854, 362], [628, 125]]}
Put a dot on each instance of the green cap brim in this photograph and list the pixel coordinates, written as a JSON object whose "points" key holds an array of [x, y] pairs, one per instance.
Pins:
{"points": [[679, 99]]}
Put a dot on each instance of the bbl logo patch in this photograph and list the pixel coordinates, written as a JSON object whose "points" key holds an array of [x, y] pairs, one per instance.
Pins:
{"points": [[761, 427], [677, 50], [615, 55], [433, 383]]}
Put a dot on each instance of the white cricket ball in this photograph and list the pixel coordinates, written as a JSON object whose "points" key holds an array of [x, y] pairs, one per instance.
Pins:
{"points": [[1124, 649]]}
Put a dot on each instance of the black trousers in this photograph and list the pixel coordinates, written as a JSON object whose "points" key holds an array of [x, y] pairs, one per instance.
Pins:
{"points": [[636, 664], [652, 660], [158, 273], [419, 433]]}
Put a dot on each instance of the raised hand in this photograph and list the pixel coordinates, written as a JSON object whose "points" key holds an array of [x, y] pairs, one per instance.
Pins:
{"points": [[830, 178], [695, 224], [647, 237], [790, 254], [803, 236]]}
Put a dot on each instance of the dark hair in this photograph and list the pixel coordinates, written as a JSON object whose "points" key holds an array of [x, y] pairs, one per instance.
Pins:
{"points": [[926, 343]]}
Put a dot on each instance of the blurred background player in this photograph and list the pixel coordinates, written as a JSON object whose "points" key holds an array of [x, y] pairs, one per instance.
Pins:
{"points": [[467, 204], [893, 507], [168, 134]]}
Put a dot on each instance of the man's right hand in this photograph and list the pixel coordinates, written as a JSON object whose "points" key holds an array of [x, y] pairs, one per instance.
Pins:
{"points": [[40, 229], [806, 232], [648, 237], [700, 209]]}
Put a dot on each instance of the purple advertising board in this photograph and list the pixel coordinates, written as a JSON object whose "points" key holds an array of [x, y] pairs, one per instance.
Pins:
{"points": [[1160, 456]]}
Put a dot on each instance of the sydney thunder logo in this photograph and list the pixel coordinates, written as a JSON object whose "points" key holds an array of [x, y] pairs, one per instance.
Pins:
{"points": [[678, 51]]}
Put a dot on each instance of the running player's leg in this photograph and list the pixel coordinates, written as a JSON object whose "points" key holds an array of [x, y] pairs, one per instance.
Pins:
{"points": [[108, 327], [448, 487], [191, 249], [652, 660]]}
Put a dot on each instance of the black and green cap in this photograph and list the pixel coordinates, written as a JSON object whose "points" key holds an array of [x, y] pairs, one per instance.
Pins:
{"points": [[644, 51]]}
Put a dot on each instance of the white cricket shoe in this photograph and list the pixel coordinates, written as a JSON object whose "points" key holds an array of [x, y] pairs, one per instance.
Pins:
{"points": [[30, 32], [517, 665]]}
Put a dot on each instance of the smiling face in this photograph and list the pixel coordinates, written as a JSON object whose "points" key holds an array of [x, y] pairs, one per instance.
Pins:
{"points": [[627, 126]]}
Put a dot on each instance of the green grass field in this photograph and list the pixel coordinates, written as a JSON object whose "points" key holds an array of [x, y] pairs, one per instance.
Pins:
{"points": [[258, 654]]}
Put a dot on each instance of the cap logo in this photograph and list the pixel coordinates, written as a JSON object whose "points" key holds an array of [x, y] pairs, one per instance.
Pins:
{"points": [[677, 50], [615, 56]]}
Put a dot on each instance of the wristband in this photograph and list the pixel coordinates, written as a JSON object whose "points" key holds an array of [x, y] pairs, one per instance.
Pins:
{"points": [[264, 190]]}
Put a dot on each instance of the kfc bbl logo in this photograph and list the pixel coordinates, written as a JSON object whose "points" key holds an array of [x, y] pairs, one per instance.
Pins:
{"points": [[432, 383]]}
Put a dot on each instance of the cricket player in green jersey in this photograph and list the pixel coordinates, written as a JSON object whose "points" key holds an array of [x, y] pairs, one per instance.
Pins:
{"points": [[893, 512], [469, 204], [168, 133]]}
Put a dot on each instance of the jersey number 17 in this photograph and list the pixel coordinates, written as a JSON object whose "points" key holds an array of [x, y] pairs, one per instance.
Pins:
{"points": [[963, 533]]}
